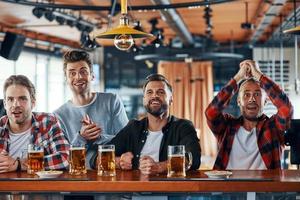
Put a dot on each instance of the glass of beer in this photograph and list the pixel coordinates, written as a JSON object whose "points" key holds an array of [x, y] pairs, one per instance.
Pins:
{"points": [[77, 159], [35, 158], [106, 160], [178, 163]]}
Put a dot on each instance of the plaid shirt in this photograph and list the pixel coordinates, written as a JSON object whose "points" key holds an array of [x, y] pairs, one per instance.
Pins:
{"points": [[270, 139], [45, 131]]}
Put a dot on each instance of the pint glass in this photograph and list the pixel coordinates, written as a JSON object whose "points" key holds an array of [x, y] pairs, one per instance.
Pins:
{"points": [[77, 160], [35, 158], [106, 160], [177, 161]]}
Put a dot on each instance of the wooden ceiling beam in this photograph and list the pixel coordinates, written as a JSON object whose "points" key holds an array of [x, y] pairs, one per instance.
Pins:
{"points": [[39, 36]]}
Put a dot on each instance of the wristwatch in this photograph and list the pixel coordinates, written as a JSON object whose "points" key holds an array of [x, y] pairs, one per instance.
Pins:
{"points": [[19, 167]]}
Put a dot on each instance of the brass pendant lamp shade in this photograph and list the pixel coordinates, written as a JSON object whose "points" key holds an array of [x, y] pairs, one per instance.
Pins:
{"points": [[123, 28], [295, 31]]}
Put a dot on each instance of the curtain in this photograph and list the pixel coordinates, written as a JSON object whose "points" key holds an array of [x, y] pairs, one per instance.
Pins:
{"points": [[192, 92]]}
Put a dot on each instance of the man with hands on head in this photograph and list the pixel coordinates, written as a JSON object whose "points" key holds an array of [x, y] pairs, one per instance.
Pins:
{"points": [[89, 118], [253, 140], [143, 144]]}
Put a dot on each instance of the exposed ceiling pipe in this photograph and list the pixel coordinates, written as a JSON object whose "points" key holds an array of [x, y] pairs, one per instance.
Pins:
{"points": [[268, 18], [175, 22]]}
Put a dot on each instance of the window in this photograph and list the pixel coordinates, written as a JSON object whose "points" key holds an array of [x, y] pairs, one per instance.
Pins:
{"points": [[45, 72]]}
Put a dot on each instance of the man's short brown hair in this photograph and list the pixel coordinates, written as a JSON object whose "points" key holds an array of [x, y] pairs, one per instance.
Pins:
{"points": [[157, 77], [20, 80], [75, 56]]}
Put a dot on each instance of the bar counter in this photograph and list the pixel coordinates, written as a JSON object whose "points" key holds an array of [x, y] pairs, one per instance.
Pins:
{"points": [[133, 181]]}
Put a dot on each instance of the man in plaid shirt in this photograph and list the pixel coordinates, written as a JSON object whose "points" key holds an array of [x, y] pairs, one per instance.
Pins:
{"points": [[252, 141], [21, 127]]}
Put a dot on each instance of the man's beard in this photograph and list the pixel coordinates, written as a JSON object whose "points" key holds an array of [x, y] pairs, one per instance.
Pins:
{"points": [[156, 112], [21, 120]]}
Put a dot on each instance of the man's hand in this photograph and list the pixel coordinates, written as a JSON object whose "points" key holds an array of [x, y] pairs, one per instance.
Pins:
{"points": [[7, 163], [149, 166], [254, 68], [243, 73], [125, 161], [89, 130]]}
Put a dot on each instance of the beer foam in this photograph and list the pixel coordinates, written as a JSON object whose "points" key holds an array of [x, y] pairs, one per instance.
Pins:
{"points": [[106, 150], [77, 148], [35, 151], [176, 155]]}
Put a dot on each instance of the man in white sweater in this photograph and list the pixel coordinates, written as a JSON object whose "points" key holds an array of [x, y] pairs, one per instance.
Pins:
{"points": [[89, 118]]}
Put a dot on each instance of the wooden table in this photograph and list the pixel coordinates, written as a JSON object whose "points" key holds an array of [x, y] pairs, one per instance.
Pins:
{"points": [[132, 181]]}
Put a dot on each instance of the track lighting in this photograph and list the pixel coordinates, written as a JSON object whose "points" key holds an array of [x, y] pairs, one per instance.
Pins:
{"points": [[136, 49], [86, 41], [64, 18], [70, 22], [38, 12], [49, 15], [60, 20], [158, 42]]}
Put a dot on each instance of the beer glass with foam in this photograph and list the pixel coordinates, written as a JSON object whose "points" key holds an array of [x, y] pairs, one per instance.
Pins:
{"points": [[106, 160], [35, 158], [77, 159], [178, 161]]}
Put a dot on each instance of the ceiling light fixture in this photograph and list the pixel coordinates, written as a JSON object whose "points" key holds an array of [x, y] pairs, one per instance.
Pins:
{"points": [[38, 12], [124, 34], [144, 8], [158, 42], [246, 25], [60, 20], [49, 15], [87, 43]]}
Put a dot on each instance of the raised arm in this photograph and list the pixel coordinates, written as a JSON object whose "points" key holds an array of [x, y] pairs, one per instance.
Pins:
{"points": [[216, 119]]}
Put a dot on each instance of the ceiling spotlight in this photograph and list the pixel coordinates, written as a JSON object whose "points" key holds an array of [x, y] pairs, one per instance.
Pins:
{"points": [[154, 29], [138, 26], [207, 17], [136, 49], [86, 41], [49, 15], [88, 29], [70, 22], [80, 26], [246, 25], [158, 42], [60, 20], [38, 12]]}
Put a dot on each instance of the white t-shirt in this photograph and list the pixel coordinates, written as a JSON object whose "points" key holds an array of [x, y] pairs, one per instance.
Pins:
{"points": [[18, 142], [152, 145], [245, 153]]}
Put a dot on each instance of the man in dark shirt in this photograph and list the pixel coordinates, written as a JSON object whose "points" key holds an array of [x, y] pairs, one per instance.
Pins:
{"points": [[143, 144]]}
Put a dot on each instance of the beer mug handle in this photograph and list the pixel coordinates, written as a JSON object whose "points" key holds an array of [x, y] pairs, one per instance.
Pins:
{"points": [[188, 160]]}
